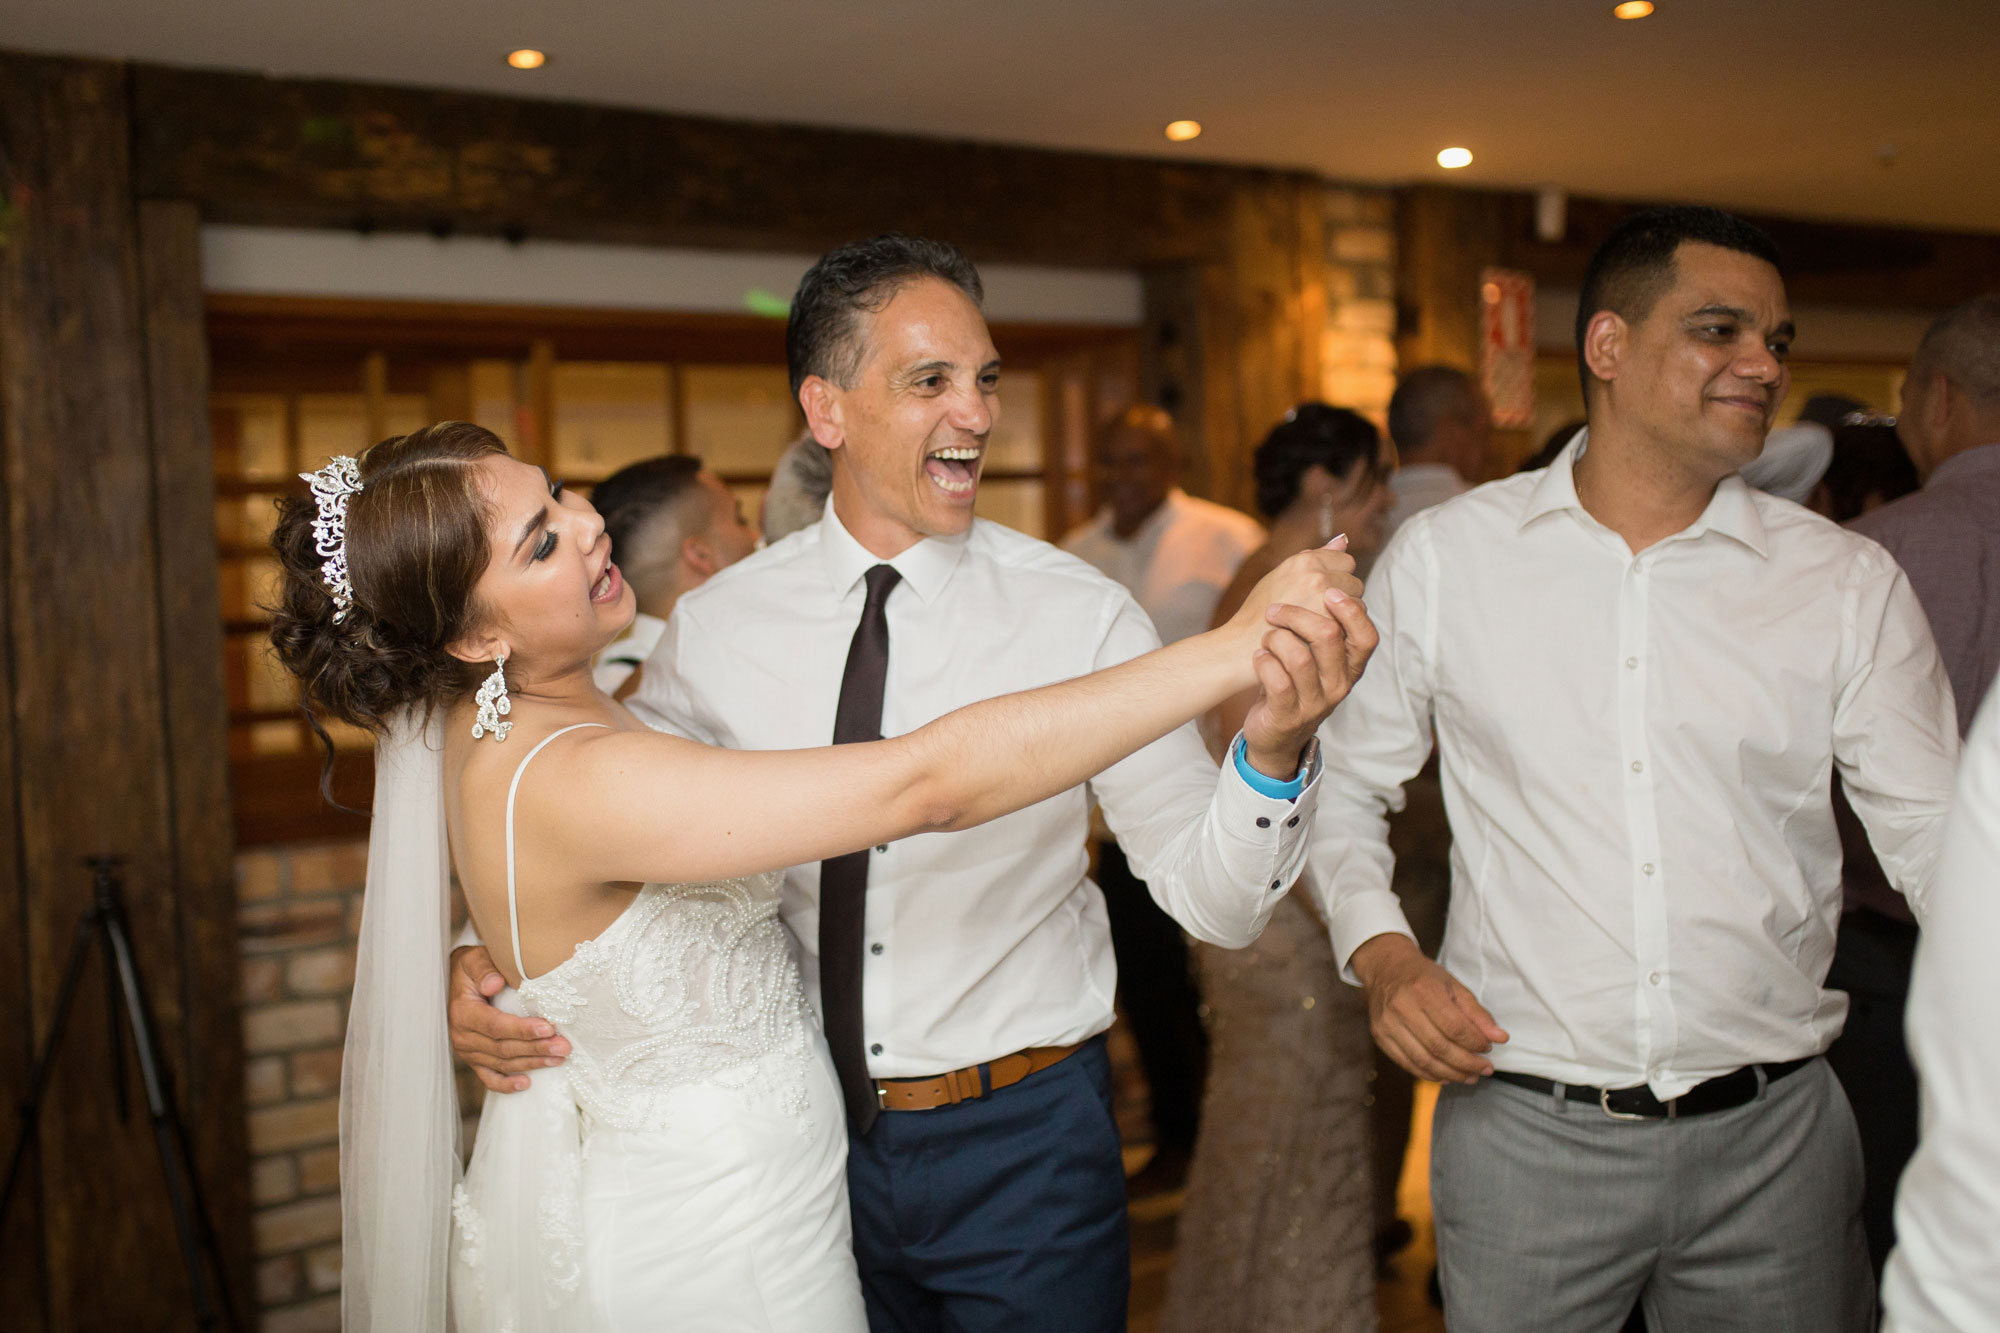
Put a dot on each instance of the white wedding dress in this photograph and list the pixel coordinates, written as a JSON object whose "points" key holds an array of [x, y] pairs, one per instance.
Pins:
{"points": [[685, 1168]]}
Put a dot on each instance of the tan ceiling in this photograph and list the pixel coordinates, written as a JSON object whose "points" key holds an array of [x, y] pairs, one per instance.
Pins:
{"points": [[1856, 109]]}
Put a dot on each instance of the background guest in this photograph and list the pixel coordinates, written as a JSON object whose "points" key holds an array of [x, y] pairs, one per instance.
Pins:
{"points": [[1442, 426], [800, 482], [1794, 460], [1276, 1230], [1947, 539], [672, 524], [1175, 554], [1870, 467]]}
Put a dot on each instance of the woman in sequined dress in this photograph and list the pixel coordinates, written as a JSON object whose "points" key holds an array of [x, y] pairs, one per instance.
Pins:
{"points": [[1276, 1234]]}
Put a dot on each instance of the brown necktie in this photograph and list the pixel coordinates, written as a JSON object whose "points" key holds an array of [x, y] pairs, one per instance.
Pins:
{"points": [[843, 880]]}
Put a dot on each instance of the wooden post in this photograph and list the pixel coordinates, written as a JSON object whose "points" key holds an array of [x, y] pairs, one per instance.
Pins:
{"points": [[95, 704], [1444, 238], [210, 1062]]}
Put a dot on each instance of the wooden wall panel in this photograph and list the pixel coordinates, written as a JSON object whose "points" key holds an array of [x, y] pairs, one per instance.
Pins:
{"points": [[89, 701], [299, 152], [210, 1059]]}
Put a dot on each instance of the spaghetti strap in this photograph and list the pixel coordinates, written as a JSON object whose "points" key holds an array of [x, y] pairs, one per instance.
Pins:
{"points": [[513, 910]]}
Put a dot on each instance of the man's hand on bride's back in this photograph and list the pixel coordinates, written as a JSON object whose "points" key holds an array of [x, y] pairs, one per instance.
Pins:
{"points": [[500, 1047]]}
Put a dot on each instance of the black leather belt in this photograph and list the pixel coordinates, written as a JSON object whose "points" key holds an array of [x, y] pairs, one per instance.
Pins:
{"points": [[1717, 1094]]}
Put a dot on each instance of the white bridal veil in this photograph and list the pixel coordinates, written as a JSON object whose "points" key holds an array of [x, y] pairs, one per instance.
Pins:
{"points": [[519, 1236], [398, 1106]]}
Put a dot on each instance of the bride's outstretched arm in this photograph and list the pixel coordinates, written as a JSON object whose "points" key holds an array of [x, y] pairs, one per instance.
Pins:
{"points": [[630, 806]]}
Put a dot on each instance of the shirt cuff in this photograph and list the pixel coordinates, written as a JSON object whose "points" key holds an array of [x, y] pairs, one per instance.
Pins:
{"points": [[1269, 786], [1358, 918]]}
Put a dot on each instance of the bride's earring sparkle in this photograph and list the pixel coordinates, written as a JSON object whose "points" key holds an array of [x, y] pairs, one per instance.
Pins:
{"points": [[494, 703]]}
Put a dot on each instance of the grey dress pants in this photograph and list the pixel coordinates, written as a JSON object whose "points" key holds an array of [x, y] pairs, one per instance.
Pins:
{"points": [[1555, 1218]]}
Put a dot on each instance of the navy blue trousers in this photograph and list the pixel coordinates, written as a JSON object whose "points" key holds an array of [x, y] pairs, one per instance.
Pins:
{"points": [[1005, 1213]]}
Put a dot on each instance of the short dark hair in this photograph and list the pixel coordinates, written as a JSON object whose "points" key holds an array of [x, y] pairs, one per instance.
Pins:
{"points": [[1425, 399], [632, 497], [821, 335], [1634, 267], [1336, 438], [1869, 465]]}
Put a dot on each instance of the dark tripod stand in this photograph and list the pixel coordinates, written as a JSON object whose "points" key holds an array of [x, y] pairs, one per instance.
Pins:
{"points": [[105, 923]]}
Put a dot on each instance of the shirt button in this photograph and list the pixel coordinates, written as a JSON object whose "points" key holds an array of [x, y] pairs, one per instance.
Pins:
{"points": [[876, 1049], [883, 848], [1646, 869], [1638, 766], [875, 948], [1275, 886], [1293, 822], [1631, 664], [1654, 978], [1263, 822]]}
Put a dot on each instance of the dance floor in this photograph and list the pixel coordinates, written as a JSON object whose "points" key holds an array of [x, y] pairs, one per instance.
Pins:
{"points": [[1401, 1297]]}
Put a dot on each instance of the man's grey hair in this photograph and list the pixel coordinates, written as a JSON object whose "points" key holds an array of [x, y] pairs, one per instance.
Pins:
{"points": [[1964, 346], [800, 484]]}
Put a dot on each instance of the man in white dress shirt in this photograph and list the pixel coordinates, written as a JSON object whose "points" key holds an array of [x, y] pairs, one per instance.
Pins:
{"points": [[1442, 427], [1944, 1274], [1175, 554], [971, 976], [1642, 675], [673, 524]]}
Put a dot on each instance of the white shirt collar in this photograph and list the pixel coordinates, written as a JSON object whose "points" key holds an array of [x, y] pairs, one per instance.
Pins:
{"points": [[927, 566], [1731, 511]]}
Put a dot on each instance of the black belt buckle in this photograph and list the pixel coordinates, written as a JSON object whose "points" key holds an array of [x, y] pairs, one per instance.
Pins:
{"points": [[1668, 1111]]}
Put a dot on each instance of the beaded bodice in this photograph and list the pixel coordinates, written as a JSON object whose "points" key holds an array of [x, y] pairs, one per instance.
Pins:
{"points": [[694, 984]]}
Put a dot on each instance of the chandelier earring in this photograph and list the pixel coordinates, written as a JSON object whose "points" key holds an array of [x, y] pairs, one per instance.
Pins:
{"points": [[494, 703]]}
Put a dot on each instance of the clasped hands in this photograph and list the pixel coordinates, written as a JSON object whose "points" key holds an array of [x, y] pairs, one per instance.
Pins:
{"points": [[1307, 659]]}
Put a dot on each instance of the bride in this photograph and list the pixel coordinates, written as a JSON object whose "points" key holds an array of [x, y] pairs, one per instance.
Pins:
{"points": [[684, 1167]]}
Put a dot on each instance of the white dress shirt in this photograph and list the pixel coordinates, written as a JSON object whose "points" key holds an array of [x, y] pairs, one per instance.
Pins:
{"points": [[1419, 486], [1178, 564], [1636, 758], [622, 656], [1944, 1275], [991, 940]]}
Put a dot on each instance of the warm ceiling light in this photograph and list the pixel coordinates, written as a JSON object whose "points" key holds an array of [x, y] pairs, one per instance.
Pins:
{"points": [[1451, 159], [526, 58], [1633, 9], [1181, 131]]}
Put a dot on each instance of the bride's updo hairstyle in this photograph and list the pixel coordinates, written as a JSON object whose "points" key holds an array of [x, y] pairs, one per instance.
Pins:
{"points": [[417, 545]]}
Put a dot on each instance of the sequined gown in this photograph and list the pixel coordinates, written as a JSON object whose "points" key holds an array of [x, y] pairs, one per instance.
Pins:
{"points": [[685, 1168], [1277, 1228]]}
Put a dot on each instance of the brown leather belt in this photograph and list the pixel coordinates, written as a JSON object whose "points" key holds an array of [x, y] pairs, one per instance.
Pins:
{"points": [[970, 1083]]}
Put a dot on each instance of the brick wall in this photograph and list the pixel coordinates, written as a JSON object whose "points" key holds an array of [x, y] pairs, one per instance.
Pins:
{"points": [[1358, 345], [299, 915], [299, 908]]}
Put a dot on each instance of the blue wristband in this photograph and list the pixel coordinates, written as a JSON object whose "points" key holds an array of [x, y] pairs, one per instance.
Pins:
{"points": [[1278, 791]]}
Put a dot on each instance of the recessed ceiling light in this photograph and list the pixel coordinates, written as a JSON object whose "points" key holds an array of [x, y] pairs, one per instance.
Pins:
{"points": [[1633, 9], [1451, 159], [527, 58], [1180, 131]]}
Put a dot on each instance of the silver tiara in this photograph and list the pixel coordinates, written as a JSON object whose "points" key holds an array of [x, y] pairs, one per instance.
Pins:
{"points": [[331, 486]]}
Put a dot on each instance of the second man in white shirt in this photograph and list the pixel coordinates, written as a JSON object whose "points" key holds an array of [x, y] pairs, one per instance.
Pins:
{"points": [[1641, 675]]}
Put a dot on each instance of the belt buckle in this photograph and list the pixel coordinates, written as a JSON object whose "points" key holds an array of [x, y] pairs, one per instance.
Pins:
{"points": [[1604, 1105]]}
